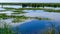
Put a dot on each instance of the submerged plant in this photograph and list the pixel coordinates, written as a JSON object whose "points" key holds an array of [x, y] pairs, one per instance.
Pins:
{"points": [[51, 29], [59, 29]]}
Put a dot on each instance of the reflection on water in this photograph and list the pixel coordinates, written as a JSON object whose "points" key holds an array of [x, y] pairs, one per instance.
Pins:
{"points": [[6, 12], [34, 13], [31, 21], [37, 26], [12, 6], [2, 9], [42, 13]]}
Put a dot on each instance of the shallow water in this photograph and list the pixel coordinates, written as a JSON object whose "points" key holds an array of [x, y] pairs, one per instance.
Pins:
{"points": [[2, 8], [35, 13], [6, 12], [12, 6], [31, 25], [42, 13]]}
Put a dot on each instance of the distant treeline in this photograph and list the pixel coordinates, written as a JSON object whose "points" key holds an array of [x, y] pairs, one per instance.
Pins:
{"points": [[34, 4], [41, 5]]}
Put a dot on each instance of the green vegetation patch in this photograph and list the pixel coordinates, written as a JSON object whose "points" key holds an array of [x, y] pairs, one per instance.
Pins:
{"points": [[7, 8], [18, 12], [40, 18], [5, 30], [50, 10]]}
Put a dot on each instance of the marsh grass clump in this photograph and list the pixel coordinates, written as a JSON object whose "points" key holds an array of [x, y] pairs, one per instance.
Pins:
{"points": [[49, 30], [3, 16], [7, 8], [5, 30], [40, 18], [20, 19], [59, 29], [18, 12], [50, 10], [30, 9], [53, 28], [43, 18]]}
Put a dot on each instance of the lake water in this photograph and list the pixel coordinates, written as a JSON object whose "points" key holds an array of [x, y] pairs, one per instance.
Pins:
{"points": [[42, 13], [37, 26], [30, 26]]}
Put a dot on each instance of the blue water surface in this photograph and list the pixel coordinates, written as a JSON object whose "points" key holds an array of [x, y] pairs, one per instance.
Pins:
{"points": [[36, 26]]}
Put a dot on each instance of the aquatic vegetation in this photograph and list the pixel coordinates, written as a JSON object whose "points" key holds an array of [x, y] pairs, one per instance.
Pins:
{"points": [[11, 16], [30, 9], [52, 29], [52, 11], [3, 16], [18, 20], [58, 29], [8, 8], [18, 12], [40, 18], [5, 30], [21, 18]]}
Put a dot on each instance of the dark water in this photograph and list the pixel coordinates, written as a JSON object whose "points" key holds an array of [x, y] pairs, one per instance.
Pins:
{"points": [[37, 26]]}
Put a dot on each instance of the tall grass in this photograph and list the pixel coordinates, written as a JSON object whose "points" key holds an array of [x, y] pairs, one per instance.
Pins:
{"points": [[5, 30]]}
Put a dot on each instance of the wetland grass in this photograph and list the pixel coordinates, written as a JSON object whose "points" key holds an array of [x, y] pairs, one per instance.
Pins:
{"points": [[58, 11], [5, 30], [18, 12], [8, 8]]}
